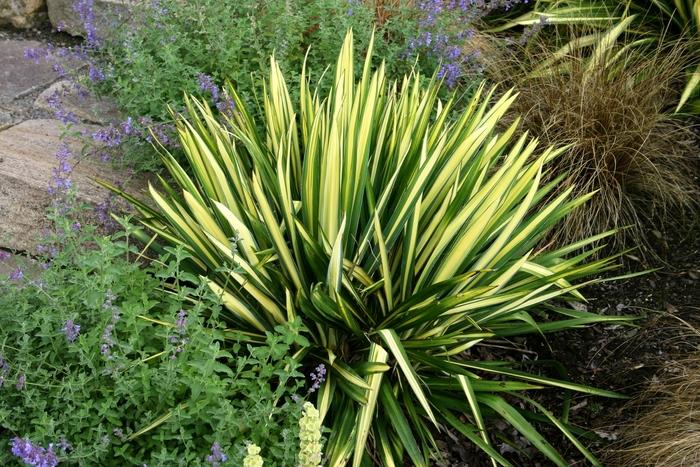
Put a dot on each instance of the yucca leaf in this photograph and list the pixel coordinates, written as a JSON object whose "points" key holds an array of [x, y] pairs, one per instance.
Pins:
{"points": [[391, 339], [564, 429], [472, 433], [519, 422], [395, 416], [364, 418]]}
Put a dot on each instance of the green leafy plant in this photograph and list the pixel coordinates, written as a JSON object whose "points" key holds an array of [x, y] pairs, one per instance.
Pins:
{"points": [[104, 362], [402, 239], [157, 56]]}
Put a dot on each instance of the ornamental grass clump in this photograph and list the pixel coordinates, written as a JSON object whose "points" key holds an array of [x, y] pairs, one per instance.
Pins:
{"points": [[665, 428], [611, 111], [646, 23], [403, 239]]}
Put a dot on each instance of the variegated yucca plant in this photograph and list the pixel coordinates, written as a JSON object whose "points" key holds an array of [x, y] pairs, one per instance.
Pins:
{"points": [[404, 240]]}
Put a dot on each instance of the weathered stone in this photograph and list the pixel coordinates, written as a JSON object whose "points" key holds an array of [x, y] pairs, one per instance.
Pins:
{"points": [[86, 107], [27, 161], [19, 76], [22, 13], [5, 120], [107, 15]]}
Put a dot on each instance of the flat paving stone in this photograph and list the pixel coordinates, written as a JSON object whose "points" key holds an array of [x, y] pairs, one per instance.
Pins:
{"points": [[19, 76], [27, 161], [86, 107]]}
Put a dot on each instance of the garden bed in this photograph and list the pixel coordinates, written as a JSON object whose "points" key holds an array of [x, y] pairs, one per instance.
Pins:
{"points": [[313, 256]]}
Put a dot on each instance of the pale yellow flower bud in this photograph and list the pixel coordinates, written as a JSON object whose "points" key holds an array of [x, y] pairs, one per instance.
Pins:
{"points": [[310, 437], [252, 458]]}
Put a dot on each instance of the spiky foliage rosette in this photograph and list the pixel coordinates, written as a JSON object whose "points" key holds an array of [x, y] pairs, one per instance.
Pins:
{"points": [[402, 240]]}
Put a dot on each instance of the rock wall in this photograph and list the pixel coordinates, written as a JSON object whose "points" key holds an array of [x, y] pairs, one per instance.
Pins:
{"points": [[106, 14], [22, 13], [30, 138]]}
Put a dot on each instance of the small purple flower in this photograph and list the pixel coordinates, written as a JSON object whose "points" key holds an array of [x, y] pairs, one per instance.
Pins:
{"points": [[127, 127], [181, 321], [95, 74], [34, 454], [60, 179], [158, 9], [179, 340], [532, 30], [76, 226], [4, 369], [206, 84], [59, 70], [4, 255], [71, 330], [103, 210], [217, 456], [21, 382], [107, 339], [17, 275], [110, 136], [33, 54], [318, 376], [85, 11], [226, 105]]}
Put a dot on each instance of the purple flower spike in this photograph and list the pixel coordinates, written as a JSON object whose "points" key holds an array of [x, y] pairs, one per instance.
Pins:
{"points": [[94, 73], [107, 338], [4, 369], [318, 376], [17, 275], [34, 454], [32, 54], [60, 180], [21, 382], [71, 330], [179, 340], [65, 445], [85, 11], [206, 84], [217, 456]]}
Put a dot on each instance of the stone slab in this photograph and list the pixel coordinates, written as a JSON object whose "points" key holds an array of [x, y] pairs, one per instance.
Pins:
{"points": [[6, 120], [22, 13], [107, 14], [86, 107], [19, 76], [27, 159]]}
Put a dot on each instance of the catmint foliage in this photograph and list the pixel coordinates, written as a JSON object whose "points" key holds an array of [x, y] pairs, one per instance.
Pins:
{"points": [[86, 362]]}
